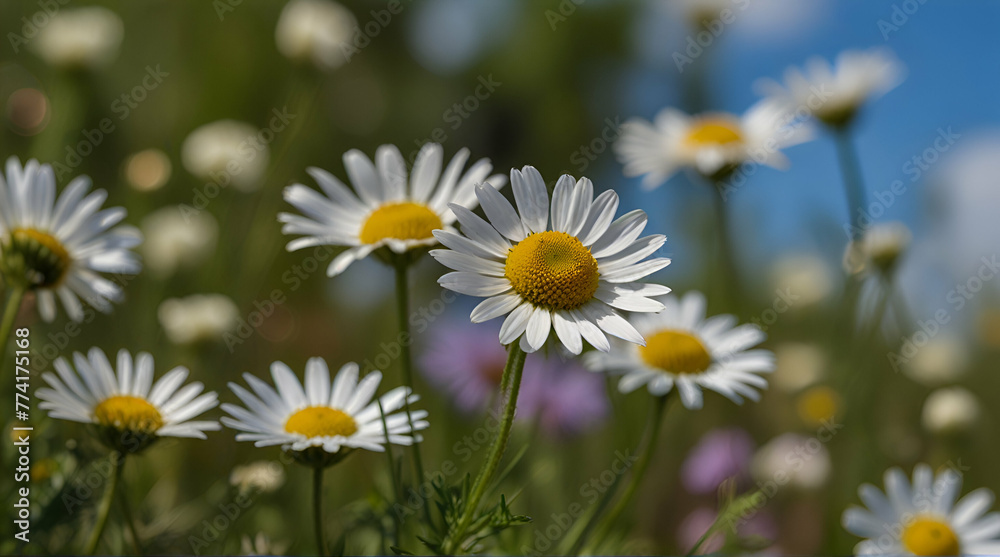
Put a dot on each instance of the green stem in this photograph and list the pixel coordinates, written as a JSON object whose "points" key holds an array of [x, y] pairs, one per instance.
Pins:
{"points": [[9, 316], [731, 273], [645, 457], [512, 378], [318, 510], [129, 518], [117, 461], [854, 186], [397, 491], [406, 360]]}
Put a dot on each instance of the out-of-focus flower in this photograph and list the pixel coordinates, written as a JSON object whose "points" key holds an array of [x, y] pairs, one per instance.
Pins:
{"points": [[940, 360], [201, 317], [686, 351], [714, 144], [28, 111], [835, 94], [80, 38], [124, 401], [333, 417], [924, 518], [262, 475], [261, 545], [950, 410], [759, 525], [59, 247], [389, 207], [880, 248], [798, 365], [806, 277], [177, 238], [818, 405], [574, 278], [319, 32], [226, 152], [719, 455], [562, 397], [147, 170], [792, 459]]}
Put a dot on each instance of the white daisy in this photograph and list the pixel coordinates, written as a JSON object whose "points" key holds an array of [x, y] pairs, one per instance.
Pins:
{"points": [[572, 278], [924, 518], [713, 144], [383, 210], [686, 350], [316, 31], [833, 94], [58, 247], [320, 415], [126, 401]]}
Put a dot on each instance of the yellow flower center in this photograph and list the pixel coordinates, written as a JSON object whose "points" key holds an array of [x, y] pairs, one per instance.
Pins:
{"points": [[400, 221], [714, 131], [130, 413], [321, 421], [37, 256], [817, 405], [676, 352], [930, 536], [552, 270]]}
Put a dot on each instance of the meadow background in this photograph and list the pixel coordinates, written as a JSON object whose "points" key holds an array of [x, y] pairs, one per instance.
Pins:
{"points": [[546, 84]]}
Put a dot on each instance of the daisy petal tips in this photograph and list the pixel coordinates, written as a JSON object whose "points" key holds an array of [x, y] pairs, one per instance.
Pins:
{"points": [[388, 207], [332, 416], [566, 266]]}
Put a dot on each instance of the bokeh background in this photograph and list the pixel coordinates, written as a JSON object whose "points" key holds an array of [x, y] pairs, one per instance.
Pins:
{"points": [[547, 84]]}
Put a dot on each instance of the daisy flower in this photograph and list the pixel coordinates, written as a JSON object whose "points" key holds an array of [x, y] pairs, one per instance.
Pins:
{"points": [[383, 210], [131, 410], [59, 247], [923, 518], [572, 277], [713, 144], [833, 94], [687, 351], [317, 415]]}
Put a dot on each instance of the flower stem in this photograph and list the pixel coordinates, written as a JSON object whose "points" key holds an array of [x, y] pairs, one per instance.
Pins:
{"points": [[9, 316], [512, 380], [318, 509], [656, 413], [406, 361], [129, 518], [854, 185], [117, 465], [731, 274]]}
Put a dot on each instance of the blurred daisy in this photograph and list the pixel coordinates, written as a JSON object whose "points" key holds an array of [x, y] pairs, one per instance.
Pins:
{"points": [[807, 277], [80, 38], [226, 152], [263, 475], [796, 460], [334, 419], [59, 247], [942, 359], [261, 544], [316, 31], [833, 94], [177, 238], [385, 208], [879, 248], [924, 518], [687, 351], [572, 278], [201, 317], [798, 365], [467, 363], [951, 410], [713, 144], [124, 401]]}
